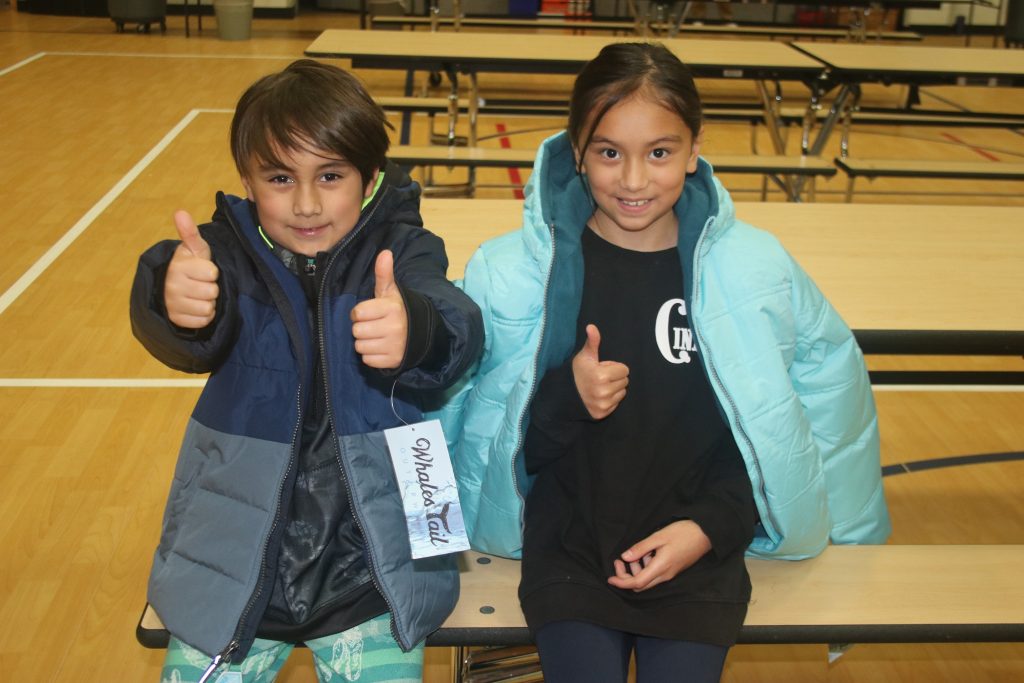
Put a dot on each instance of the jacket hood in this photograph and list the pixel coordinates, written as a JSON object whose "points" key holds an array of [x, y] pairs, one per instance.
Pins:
{"points": [[557, 195]]}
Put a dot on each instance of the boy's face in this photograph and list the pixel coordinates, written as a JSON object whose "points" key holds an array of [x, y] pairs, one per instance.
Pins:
{"points": [[309, 204]]}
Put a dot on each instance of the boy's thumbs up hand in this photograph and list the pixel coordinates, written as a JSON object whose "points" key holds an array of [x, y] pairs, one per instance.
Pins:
{"points": [[380, 325], [188, 231], [384, 275], [601, 384], [190, 288]]}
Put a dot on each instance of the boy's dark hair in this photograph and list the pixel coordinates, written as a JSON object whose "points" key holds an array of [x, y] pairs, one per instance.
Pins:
{"points": [[309, 106], [619, 71]]}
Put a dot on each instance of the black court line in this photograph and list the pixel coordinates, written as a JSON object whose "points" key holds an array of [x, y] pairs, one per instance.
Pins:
{"points": [[952, 461], [957, 105]]}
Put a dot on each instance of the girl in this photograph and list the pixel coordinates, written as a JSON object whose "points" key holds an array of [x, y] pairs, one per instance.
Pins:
{"points": [[662, 386]]}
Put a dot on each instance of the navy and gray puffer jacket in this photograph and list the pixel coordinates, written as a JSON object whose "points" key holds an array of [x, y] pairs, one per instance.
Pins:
{"points": [[225, 511]]}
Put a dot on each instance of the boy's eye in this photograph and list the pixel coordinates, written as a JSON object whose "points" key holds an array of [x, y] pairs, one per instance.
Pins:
{"points": [[331, 177], [279, 179], [659, 153]]}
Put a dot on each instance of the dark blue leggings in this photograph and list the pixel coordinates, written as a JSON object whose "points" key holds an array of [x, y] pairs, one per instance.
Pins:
{"points": [[578, 652]]}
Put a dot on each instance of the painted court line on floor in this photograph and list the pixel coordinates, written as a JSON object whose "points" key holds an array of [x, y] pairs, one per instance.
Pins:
{"points": [[61, 245], [172, 55], [12, 67]]}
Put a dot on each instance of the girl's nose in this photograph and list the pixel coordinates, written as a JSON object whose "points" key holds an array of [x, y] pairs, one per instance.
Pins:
{"points": [[634, 175]]}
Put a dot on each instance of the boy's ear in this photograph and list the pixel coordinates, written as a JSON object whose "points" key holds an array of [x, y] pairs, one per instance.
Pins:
{"points": [[248, 189], [371, 184], [698, 140]]}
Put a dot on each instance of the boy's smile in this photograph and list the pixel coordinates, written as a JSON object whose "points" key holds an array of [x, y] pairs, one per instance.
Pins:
{"points": [[310, 202], [636, 165]]}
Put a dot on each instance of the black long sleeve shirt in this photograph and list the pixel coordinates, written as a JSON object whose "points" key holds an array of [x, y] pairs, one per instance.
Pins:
{"points": [[665, 454]]}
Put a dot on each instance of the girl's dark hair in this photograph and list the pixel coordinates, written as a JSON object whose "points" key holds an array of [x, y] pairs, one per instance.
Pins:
{"points": [[309, 106], [619, 71]]}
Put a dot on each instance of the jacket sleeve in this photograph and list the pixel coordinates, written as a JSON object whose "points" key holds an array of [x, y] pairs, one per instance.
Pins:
{"points": [[421, 272], [480, 416], [831, 380], [195, 351]]}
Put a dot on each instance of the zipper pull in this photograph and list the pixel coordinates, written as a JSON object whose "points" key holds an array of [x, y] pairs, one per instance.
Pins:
{"points": [[221, 658]]}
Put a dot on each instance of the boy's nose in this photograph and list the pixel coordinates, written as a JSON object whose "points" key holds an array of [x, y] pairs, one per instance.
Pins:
{"points": [[307, 202]]}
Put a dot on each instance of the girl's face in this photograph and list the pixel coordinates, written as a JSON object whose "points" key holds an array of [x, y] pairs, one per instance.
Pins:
{"points": [[636, 165]]}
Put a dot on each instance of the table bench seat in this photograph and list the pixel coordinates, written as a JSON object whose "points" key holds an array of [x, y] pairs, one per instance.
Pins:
{"points": [[771, 166], [437, 155], [848, 594], [917, 168]]}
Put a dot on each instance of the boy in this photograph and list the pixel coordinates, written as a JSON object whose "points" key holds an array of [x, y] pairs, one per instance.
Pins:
{"points": [[320, 306]]}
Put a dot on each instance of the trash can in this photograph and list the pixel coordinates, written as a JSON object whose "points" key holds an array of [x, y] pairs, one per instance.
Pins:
{"points": [[1014, 35], [234, 19]]}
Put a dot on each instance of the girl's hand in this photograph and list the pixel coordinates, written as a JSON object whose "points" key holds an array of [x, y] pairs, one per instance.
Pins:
{"points": [[601, 384], [660, 556], [190, 285], [380, 325]]}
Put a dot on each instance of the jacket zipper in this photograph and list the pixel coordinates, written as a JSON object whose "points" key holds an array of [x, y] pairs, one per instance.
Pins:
{"points": [[224, 656], [706, 350], [534, 381], [374, 570]]}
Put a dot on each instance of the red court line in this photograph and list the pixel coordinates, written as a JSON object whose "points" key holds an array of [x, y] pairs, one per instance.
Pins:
{"points": [[985, 153], [513, 173]]}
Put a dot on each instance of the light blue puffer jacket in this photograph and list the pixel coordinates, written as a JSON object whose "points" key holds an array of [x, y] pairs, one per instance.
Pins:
{"points": [[789, 376]]}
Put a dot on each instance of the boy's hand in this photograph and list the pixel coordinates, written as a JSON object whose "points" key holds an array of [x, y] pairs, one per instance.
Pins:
{"points": [[190, 288], [380, 325], [601, 384], [660, 556]]}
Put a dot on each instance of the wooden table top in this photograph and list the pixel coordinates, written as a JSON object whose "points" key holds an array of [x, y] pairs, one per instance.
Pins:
{"points": [[525, 53], [909, 61], [884, 267]]}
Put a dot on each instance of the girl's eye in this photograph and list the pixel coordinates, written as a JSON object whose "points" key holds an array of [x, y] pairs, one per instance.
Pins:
{"points": [[609, 153]]}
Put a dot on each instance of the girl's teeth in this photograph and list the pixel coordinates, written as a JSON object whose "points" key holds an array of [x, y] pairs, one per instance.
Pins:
{"points": [[636, 203]]}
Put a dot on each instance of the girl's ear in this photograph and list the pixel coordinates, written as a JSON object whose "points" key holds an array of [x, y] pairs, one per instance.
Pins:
{"points": [[698, 140]]}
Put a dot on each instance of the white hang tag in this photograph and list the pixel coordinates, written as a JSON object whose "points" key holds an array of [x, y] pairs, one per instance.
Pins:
{"points": [[426, 481]]}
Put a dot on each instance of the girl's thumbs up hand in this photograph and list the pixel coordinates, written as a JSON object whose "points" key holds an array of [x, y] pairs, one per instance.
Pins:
{"points": [[601, 384], [190, 287], [380, 325]]}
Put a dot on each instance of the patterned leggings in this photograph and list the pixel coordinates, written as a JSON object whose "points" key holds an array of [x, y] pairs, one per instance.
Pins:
{"points": [[367, 653]]}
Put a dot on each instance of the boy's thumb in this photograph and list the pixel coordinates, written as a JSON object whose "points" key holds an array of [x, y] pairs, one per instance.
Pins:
{"points": [[593, 342], [188, 231], [384, 274]]}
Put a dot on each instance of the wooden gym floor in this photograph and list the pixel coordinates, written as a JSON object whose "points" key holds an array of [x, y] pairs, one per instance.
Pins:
{"points": [[103, 135]]}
